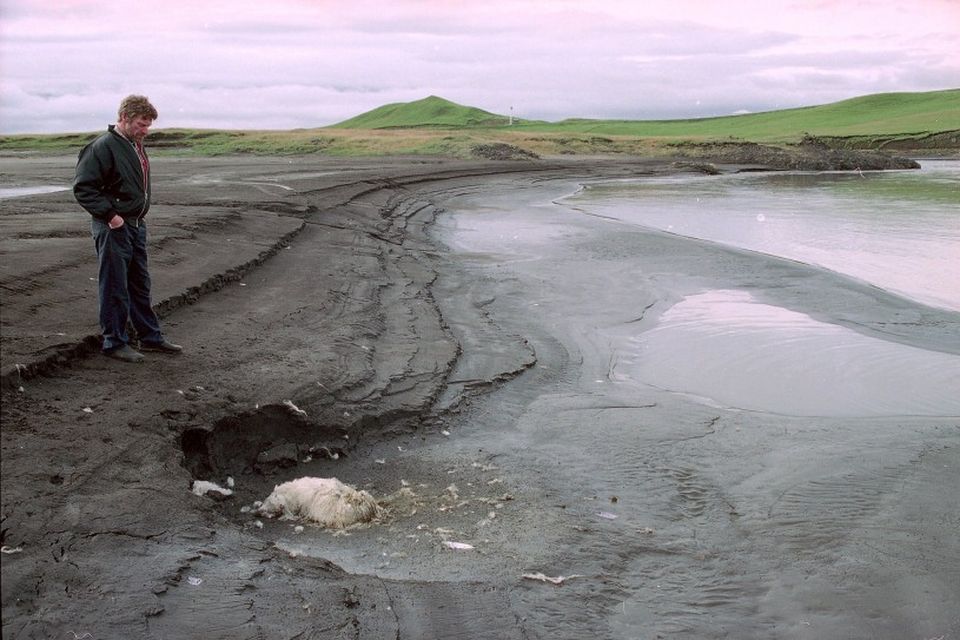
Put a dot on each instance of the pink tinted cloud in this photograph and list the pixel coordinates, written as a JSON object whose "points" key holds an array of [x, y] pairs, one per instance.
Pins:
{"points": [[307, 63]]}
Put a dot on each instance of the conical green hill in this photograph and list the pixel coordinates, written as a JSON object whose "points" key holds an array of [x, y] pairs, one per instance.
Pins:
{"points": [[428, 112]]}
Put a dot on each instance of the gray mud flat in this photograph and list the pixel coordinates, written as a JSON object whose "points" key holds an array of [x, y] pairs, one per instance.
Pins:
{"points": [[350, 319]]}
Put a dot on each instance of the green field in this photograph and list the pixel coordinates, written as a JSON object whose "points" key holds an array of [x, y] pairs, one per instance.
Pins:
{"points": [[875, 115], [434, 126]]}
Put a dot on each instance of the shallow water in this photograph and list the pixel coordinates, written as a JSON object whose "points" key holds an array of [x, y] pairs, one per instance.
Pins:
{"points": [[19, 192], [725, 347], [899, 230]]}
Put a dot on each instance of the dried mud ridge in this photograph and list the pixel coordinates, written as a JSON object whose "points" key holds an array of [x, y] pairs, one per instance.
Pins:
{"points": [[63, 354], [333, 345]]}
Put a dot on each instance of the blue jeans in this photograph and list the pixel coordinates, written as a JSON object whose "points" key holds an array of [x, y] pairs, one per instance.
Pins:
{"points": [[124, 284]]}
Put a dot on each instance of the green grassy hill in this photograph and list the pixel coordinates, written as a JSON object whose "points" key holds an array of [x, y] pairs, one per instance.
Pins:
{"points": [[428, 112]]}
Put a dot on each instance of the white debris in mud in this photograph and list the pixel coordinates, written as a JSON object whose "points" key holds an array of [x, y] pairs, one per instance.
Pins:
{"points": [[557, 580], [326, 501], [202, 487], [458, 546], [402, 502], [451, 498], [10, 550], [297, 410]]}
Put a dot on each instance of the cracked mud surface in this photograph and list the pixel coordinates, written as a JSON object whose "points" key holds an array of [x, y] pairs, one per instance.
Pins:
{"points": [[333, 327]]}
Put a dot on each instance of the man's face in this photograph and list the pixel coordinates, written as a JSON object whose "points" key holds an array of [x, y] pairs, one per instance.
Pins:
{"points": [[135, 128]]}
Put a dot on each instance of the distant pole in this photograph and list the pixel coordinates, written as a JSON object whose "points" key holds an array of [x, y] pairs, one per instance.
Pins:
{"points": [[511, 116]]}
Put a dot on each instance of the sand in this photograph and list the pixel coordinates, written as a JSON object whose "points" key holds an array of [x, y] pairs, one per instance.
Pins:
{"points": [[336, 324]]}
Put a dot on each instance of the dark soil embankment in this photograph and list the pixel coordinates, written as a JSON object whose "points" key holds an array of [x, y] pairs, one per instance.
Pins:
{"points": [[812, 154], [942, 143]]}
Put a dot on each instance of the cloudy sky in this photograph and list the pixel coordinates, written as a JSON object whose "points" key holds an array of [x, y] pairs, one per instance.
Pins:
{"points": [[281, 64]]}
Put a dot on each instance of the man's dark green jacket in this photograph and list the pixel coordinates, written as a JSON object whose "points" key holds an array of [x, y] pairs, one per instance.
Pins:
{"points": [[109, 179]]}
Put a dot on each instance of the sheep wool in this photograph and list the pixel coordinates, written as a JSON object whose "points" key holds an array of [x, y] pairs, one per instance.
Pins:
{"points": [[326, 501]]}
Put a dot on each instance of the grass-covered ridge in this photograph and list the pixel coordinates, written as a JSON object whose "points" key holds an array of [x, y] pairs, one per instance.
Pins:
{"points": [[431, 111], [886, 114], [899, 122]]}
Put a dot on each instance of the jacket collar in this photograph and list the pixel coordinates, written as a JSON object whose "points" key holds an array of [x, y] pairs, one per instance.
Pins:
{"points": [[112, 128]]}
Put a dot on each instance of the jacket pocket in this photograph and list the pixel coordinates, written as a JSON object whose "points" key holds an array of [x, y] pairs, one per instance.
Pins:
{"points": [[128, 204]]}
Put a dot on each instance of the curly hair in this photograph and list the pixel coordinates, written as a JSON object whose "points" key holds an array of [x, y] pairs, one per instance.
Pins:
{"points": [[137, 106]]}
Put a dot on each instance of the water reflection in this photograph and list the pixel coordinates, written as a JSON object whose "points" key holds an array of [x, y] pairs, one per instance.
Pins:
{"points": [[726, 347], [898, 230], [19, 192]]}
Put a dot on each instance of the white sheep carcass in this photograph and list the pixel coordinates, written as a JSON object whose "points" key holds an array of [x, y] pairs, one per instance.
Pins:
{"points": [[326, 501]]}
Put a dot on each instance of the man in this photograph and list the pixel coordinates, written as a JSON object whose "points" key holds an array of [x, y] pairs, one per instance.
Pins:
{"points": [[113, 184]]}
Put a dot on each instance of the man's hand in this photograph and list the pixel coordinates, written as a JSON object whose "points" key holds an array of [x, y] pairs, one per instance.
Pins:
{"points": [[115, 222]]}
